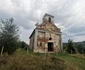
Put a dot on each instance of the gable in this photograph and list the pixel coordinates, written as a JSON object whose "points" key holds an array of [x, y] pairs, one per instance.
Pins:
{"points": [[49, 27]]}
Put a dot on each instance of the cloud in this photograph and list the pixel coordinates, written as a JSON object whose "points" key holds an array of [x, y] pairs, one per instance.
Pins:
{"points": [[69, 15]]}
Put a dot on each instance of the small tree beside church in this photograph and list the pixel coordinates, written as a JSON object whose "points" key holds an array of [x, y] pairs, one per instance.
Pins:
{"points": [[70, 47], [8, 36]]}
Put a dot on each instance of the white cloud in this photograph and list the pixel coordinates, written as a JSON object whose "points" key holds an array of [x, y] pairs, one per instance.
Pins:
{"points": [[69, 15], [79, 38], [14, 6]]}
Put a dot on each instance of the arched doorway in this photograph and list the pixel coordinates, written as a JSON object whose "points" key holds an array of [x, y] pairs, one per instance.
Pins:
{"points": [[50, 46]]}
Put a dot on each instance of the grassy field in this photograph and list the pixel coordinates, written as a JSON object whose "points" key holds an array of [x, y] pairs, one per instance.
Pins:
{"points": [[20, 60], [78, 60]]}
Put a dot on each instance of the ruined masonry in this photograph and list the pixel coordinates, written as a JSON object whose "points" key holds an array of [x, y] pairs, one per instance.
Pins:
{"points": [[46, 37]]}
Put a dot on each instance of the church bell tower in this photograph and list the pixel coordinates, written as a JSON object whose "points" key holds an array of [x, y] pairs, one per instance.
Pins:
{"points": [[48, 18]]}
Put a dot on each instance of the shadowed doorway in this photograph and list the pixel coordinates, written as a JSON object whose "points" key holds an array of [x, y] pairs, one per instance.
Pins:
{"points": [[50, 46]]}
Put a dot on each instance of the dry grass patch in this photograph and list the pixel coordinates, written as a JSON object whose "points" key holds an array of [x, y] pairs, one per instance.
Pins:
{"points": [[22, 61]]}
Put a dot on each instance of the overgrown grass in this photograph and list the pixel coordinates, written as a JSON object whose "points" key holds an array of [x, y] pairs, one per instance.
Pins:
{"points": [[76, 60], [20, 60]]}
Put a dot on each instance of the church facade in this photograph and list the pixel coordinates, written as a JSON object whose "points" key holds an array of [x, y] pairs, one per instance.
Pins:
{"points": [[46, 37]]}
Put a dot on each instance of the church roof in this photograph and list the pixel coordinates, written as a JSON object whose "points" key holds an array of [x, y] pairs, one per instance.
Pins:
{"points": [[32, 33], [48, 15]]}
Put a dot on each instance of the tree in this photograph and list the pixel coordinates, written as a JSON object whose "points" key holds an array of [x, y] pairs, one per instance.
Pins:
{"points": [[23, 45], [81, 48], [9, 36], [70, 47]]}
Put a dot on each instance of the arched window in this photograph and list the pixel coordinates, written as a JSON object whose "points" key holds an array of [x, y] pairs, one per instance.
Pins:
{"points": [[49, 19]]}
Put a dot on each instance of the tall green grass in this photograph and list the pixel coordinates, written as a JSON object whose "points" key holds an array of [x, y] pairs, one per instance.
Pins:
{"points": [[75, 60]]}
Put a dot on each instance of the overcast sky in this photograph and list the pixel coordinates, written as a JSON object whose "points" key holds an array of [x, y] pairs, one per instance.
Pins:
{"points": [[69, 16]]}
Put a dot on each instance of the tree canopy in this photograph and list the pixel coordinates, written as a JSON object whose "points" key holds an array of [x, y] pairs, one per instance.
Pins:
{"points": [[9, 36]]}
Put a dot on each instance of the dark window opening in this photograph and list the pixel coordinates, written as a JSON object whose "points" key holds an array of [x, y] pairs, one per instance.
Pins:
{"points": [[49, 19], [50, 47], [40, 44], [50, 38]]}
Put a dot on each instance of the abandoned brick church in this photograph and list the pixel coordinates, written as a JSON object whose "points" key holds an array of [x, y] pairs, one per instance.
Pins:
{"points": [[46, 37]]}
